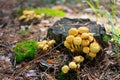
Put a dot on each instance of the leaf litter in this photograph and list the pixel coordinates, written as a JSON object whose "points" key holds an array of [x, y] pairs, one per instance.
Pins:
{"points": [[45, 66]]}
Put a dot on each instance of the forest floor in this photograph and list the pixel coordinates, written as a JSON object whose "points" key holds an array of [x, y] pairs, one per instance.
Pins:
{"points": [[105, 67]]}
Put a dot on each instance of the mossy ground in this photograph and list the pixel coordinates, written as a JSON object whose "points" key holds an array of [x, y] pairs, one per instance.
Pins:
{"points": [[46, 11], [25, 50]]}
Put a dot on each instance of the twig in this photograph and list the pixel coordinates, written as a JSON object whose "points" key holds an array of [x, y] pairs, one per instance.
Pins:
{"points": [[5, 75]]}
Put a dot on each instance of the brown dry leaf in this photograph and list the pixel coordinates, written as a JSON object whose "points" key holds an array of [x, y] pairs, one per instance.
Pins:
{"points": [[50, 61]]}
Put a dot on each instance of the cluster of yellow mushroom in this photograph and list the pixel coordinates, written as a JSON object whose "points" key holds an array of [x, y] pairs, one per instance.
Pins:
{"points": [[29, 16], [75, 64], [46, 44], [81, 40]]}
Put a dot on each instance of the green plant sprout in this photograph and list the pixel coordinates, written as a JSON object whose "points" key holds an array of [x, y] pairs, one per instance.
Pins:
{"points": [[24, 32], [115, 32], [115, 35], [112, 6], [91, 4], [25, 50], [96, 6]]}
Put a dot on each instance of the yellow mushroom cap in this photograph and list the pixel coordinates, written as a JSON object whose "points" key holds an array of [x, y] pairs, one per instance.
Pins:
{"points": [[77, 41], [65, 69], [79, 35], [86, 50], [85, 42], [40, 46], [44, 42], [70, 38], [91, 38], [84, 35], [27, 12], [91, 34], [73, 31], [38, 16], [83, 30], [78, 59], [92, 55], [94, 47], [72, 65], [39, 42], [81, 58], [66, 44], [51, 42], [22, 17], [45, 47]]}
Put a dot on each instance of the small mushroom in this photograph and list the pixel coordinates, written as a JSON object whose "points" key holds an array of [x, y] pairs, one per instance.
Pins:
{"points": [[84, 35], [44, 42], [81, 58], [83, 30], [40, 46], [45, 47], [65, 69], [94, 47], [77, 41], [92, 55], [22, 17], [91, 38], [91, 34], [69, 46], [70, 38], [86, 50], [73, 31], [78, 59], [51, 42], [66, 44], [72, 65], [85, 42], [27, 12], [78, 65]]}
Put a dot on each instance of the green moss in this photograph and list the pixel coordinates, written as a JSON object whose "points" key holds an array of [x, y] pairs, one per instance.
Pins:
{"points": [[49, 12], [46, 11], [106, 38], [25, 50]]}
